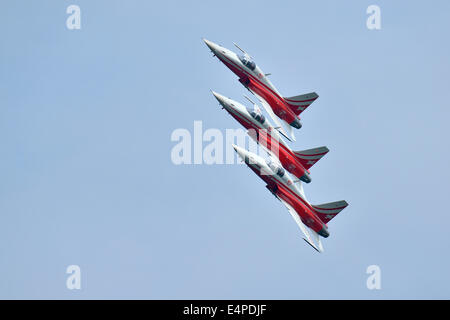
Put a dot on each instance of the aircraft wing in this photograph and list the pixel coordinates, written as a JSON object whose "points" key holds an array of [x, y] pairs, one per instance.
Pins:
{"points": [[311, 237], [290, 129], [275, 119]]}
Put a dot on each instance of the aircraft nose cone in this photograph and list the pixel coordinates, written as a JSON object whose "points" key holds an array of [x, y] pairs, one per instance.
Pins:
{"points": [[211, 45], [242, 154], [218, 96], [237, 149]]}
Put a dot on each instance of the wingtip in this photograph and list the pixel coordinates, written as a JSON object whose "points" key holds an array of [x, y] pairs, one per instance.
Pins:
{"points": [[313, 246]]}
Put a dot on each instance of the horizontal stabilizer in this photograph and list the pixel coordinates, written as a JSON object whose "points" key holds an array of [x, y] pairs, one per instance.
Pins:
{"points": [[328, 211], [309, 157], [298, 104]]}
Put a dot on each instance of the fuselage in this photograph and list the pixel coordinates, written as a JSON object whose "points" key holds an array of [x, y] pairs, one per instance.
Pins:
{"points": [[260, 130], [254, 79], [282, 186]]}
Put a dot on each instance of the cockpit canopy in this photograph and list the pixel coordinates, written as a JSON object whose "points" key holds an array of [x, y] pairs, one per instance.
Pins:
{"points": [[258, 116], [247, 62], [280, 171], [276, 168]]}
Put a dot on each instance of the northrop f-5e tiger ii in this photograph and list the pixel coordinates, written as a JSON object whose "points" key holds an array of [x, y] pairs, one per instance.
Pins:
{"points": [[261, 130], [256, 81], [312, 219]]}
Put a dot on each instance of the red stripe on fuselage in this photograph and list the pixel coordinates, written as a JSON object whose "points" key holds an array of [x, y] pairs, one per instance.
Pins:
{"points": [[283, 153], [286, 112], [300, 205], [244, 122]]}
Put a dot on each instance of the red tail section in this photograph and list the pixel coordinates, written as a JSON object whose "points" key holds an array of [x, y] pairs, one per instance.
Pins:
{"points": [[309, 157], [328, 211], [299, 103]]}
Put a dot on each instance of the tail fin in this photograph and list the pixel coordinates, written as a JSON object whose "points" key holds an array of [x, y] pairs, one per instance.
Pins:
{"points": [[309, 157], [328, 211], [299, 103]]}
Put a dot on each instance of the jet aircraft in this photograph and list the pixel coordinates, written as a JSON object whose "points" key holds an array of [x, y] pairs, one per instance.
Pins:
{"points": [[261, 130], [257, 82], [312, 219]]}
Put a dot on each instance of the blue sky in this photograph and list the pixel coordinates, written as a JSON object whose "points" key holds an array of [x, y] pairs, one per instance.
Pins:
{"points": [[86, 176]]}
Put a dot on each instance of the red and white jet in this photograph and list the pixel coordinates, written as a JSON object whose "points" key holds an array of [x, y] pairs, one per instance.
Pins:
{"points": [[256, 81], [260, 130], [312, 219]]}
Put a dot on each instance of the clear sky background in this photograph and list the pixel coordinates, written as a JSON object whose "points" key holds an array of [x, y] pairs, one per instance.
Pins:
{"points": [[86, 176]]}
